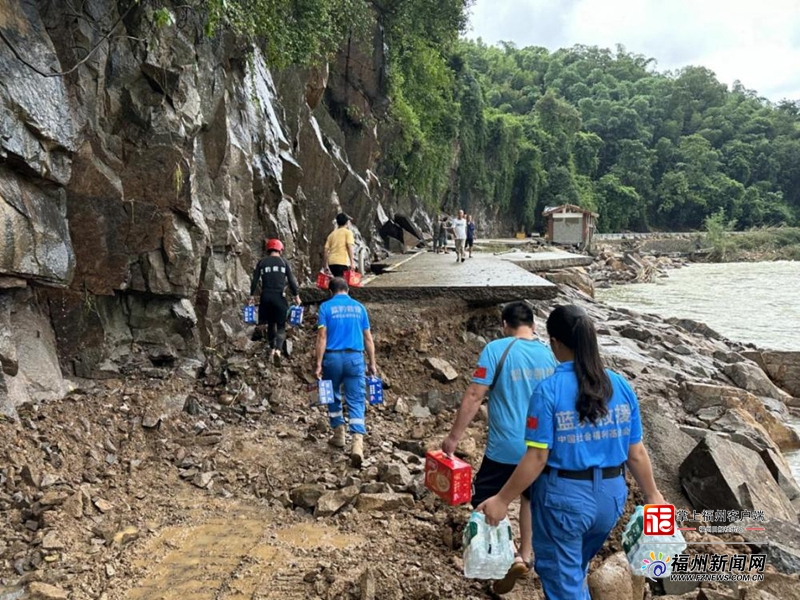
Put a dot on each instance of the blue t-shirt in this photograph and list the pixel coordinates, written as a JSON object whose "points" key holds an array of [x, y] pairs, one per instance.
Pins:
{"points": [[346, 320], [527, 363], [553, 423]]}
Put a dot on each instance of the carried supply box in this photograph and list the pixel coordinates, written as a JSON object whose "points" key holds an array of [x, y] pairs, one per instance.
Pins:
{"points": [[296, 316], [323, 280], [353, 278], [249, 314], [375, 390], [449, 478]]}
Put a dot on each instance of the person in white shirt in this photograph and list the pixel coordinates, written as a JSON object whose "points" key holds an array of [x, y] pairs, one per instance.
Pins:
{"points": [[460, 234]]}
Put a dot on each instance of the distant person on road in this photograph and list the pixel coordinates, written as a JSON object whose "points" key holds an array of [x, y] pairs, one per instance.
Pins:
{"points": [[437, 226], [339, 254], [470, 234], [583, 427], [343, 333], [508, 371], [460, 235], [273, 273], [440, 241]]}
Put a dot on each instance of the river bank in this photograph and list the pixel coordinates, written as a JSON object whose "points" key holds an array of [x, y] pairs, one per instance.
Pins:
{"points": [[643, 258], [162, 485], [753, 303], [758, 245]]}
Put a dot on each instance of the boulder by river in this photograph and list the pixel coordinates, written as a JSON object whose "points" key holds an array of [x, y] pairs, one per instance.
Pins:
{"points": [[782, 367]]}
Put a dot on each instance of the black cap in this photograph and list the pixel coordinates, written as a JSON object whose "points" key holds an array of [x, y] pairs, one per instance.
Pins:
{"points": [[342, 219]]}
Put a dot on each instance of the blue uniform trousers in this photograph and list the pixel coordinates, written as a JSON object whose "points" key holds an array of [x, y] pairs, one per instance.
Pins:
{"points": [[346, 371], [571, 521]]}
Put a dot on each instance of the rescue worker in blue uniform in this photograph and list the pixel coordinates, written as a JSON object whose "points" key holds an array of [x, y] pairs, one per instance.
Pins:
{"points": [[508, 371], [583, 427], [343, 334]]}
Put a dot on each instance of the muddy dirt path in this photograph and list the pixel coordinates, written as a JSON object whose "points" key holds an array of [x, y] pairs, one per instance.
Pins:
{"points": [[176, 489], [232, 552], [235, 551]]}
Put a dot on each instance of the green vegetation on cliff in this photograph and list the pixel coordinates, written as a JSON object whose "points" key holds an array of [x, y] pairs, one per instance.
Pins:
{"points": [[289, 32], [421, 37], [514, 130]]}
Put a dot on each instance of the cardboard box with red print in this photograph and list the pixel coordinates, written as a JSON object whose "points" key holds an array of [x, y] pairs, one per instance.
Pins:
{"points": [[448, 477]]}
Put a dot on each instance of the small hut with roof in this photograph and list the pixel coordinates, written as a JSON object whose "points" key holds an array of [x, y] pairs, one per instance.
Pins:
{"points": [[570, 225]]}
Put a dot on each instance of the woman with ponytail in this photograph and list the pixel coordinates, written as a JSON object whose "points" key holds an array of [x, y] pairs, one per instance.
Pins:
{"points": [[583, 426]]}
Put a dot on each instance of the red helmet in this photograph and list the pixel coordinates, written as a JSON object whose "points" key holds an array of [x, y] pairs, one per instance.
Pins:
{"points": [[274, 244]]}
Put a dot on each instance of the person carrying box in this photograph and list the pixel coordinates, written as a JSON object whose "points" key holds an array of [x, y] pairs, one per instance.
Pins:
{"points": [[273, 273], [508, 371], [339, 254], [343, 333]]}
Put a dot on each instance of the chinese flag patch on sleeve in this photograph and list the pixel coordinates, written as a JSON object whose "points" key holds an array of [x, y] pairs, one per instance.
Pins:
{"points": [[480, 373], [533, 423]]}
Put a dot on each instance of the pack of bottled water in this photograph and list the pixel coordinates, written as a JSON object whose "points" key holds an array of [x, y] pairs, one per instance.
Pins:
{"points": [[296, 316], [375, 390], [650, 556], [249, 315], [488, 551], [325, 391]]}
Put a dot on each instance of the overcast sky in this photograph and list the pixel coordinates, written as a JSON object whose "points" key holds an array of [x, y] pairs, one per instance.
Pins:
{"points": [[755, 41]]}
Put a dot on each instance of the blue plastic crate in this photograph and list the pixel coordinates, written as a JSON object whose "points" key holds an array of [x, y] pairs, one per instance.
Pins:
{"points": [[375, 390], [249, 314]]}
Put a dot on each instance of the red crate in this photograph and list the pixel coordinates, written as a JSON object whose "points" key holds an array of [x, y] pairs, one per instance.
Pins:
{"points": [[449, 478], [323, 280], [353, 278]]}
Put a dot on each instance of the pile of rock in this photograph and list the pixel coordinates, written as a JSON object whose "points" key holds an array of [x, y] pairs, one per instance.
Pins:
{"points": [[391, 481], [617, 266]]}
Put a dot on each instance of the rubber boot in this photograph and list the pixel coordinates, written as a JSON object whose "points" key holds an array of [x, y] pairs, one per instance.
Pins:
{"points": [[337, 439], [357, 452]]}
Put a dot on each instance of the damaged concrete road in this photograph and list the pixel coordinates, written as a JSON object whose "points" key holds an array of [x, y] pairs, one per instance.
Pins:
{"points": [[483, 280]]}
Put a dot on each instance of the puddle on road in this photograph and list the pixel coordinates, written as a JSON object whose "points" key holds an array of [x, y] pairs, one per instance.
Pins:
{"points": [[232, 558]]}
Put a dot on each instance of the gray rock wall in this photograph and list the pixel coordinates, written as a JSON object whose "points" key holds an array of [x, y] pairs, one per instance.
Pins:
{"points": [[136, 191]]}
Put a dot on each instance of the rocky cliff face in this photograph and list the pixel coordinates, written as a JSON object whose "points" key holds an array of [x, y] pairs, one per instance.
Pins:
{"points": [[137, 189]]}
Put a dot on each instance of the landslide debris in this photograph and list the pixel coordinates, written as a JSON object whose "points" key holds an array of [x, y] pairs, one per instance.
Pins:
{"points": [[225, 485]]}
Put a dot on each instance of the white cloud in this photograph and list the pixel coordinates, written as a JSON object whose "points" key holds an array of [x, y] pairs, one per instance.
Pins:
{"points": [[756, 42]]}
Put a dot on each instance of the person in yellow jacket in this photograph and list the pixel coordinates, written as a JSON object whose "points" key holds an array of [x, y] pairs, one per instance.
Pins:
{"points": [[339, 253]]}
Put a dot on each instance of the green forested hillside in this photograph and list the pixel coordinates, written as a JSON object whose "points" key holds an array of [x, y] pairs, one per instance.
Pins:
{"points": [[606, 130]]}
